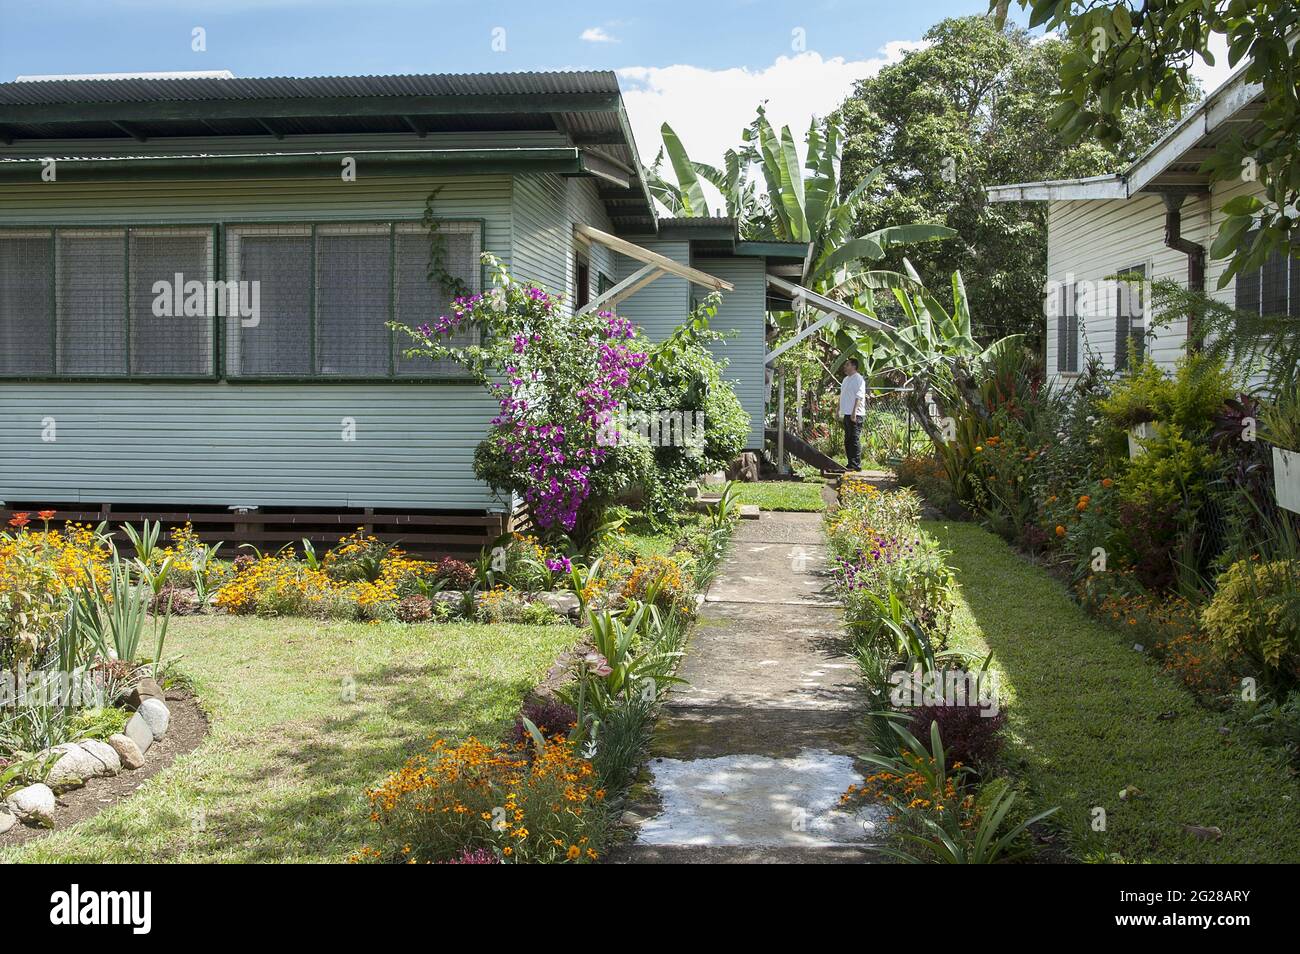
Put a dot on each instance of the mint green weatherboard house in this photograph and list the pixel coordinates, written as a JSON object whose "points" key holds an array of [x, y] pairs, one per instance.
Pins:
{"points": [[307, 420]]}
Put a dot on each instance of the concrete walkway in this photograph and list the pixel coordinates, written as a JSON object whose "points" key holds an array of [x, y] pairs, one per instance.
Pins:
{"points": [[750, 757]]}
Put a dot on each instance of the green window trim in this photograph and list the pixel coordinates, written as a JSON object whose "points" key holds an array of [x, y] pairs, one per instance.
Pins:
{"points": [[57, 315], [220, 343], [395, 227]]}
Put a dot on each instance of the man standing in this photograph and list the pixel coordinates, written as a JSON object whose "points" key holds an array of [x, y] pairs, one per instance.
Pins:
{"points": [[853, 408]]}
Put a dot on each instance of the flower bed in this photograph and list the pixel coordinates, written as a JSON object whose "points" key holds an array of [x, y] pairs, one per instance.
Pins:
{"points": [[75, 628], [937, 719], [552, 789]]}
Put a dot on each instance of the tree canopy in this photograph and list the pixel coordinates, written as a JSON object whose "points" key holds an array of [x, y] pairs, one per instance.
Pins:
{"points": [[973, 110], [1120, 56]]}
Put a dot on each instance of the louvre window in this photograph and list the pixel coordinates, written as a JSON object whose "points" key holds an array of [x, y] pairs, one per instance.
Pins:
{"points": [[1067, 330], [86, 303], [26, 302], [1130, 316], [327, 293], [1273, 289]]}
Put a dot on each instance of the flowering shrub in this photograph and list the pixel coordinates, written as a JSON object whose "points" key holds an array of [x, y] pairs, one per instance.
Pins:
{"points": [[474, 796], [879, 550], [363, 578], [659, 580], [39, 569], [559, 379]]}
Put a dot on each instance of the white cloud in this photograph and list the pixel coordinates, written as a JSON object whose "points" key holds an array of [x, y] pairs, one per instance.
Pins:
{"points": [[709, 107], [596, 35]]}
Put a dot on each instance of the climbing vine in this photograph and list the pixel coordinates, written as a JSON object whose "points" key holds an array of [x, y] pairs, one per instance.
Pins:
{"points": [[452, 285]]}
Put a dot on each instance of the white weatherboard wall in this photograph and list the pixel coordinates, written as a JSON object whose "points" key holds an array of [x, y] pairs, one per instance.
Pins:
{"points": [[742, 311], [665, 303], [1090, 240], [244, 444], [545, 209]]}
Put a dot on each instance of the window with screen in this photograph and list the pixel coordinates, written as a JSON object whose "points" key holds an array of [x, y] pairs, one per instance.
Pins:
{"points": [[1130, 316], [106, 302], [26, 302], [327, 293], [1067, 330], [1273, 289]]}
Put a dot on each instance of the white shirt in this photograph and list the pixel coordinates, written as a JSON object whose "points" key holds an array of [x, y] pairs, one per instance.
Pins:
{"points": [[853, 396]]}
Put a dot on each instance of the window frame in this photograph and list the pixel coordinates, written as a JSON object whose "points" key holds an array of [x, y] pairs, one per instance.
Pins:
{"points": [[1145, 268], [1069, 291], [393, 376], [53, 375]]}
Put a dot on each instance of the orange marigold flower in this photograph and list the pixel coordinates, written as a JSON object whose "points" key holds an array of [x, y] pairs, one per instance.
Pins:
{"points": [[1060, 530]]}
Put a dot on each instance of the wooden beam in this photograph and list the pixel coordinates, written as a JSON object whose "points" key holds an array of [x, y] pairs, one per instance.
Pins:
{"points": [[646, 256], [269, 128], [625, 289], [133, 133]]}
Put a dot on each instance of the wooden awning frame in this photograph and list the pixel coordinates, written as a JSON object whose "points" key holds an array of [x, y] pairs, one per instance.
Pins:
{"points": [[654, 266]]}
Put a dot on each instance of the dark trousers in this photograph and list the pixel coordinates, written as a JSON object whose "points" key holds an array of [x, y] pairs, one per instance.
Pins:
{"points": [[853, 442]]}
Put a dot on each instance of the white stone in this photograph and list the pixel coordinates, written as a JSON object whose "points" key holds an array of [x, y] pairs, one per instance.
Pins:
{"points": [[563, 602], [156, 715], [138, 731], [34, 804], [103, 753], [72, 767], [7, 821], [127, 751]]}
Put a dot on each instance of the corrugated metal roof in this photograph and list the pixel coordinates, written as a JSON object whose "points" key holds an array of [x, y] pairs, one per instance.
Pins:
{"points": [[188, 89]]}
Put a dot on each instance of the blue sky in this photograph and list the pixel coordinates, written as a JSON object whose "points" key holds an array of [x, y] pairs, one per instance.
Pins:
{"points": [[702, 65], [305, 37]]}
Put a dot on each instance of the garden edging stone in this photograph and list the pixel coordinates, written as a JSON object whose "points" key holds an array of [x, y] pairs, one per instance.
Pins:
{"points": [[156, 715], [128, 752], [33, 804], [103, 753], [139, 732]]}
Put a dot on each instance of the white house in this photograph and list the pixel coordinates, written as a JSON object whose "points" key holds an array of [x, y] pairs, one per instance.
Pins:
{"points": [[1156, 220]]}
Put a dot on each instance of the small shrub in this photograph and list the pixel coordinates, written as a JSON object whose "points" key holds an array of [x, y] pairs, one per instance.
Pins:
{"points": [[1256, 612], [969, 736], [473, 856], [415, 609], [551, 716], [472, 796], [458, 574]]}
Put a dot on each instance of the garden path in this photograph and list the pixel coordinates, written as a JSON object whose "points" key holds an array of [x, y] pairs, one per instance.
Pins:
{"points": [[750, 757]]}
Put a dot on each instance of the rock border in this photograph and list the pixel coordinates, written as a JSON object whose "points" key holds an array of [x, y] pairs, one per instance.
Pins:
{"points": [[75, 762]]}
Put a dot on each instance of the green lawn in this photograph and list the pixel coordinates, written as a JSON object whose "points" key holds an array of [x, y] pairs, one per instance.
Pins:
{"points": [[805, 496], [1083, 711], [281, 775]]}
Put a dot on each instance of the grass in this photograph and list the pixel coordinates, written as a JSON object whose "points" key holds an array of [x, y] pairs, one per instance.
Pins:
{"points": [[1084, 708], [794, 495], [280, 777]]}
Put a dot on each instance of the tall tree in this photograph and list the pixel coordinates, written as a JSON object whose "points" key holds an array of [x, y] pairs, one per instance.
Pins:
{"points": [[1116, 57], [972, 110]]}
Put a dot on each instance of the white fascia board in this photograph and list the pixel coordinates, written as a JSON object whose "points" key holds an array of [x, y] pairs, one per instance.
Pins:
{"points": [[1096, 187]]}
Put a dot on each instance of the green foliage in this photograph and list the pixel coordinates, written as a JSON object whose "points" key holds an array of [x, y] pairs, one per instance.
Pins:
{"points": [[1280, 421], [100, 723], [1261, 347], [1256, 612], [973, 110], [683, 375], [1118, 57]]}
